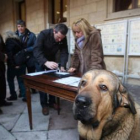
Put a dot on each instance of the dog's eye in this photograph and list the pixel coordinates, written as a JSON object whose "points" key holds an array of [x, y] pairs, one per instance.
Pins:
{"points": [[103, 87], [83, 83]]}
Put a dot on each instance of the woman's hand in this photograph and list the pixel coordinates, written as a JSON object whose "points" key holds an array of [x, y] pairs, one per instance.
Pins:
{"points": [[62, 69], [72, 70]]}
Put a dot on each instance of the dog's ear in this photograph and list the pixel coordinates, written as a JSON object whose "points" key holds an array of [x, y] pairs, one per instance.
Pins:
{"points": [[117, 98], [125, 100]]}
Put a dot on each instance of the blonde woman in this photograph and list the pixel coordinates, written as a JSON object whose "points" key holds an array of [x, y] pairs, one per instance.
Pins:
{"points": [[88, 47]]}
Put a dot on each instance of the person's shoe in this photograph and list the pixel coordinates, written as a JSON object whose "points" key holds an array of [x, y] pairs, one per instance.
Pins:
{"points": [[45, 111], [11, 98], [24, 100], [55, 106], [6, 103]]}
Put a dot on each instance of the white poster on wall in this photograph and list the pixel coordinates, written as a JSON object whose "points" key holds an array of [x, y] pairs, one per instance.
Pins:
{"points": [[113, 37], [134, 37], [71, 42]]}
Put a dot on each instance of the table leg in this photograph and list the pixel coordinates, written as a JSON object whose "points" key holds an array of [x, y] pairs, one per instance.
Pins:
{"points": [[28, 95], [58, 104]]}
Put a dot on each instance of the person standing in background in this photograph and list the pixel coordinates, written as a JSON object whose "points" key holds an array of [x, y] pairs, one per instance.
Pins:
{"points": [[48, 43], [88, 52], [28, 39], [13, 46], [3, 59]]}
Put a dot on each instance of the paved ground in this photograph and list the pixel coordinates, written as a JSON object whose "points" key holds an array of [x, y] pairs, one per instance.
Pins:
{"points": [[14, 122]]}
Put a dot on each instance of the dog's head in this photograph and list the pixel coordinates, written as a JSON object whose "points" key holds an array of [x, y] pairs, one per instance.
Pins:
{"points": [[100, 93]]}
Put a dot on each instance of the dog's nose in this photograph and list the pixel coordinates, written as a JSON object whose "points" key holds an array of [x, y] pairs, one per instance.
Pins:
{"points": [[82, 101]]}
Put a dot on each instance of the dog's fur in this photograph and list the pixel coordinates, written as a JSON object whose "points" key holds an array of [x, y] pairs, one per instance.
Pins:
{"points": [[104, 109]]}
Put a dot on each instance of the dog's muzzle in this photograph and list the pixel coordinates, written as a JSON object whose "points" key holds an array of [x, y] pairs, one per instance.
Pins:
{"points": [[83, 102], [82, 109]]}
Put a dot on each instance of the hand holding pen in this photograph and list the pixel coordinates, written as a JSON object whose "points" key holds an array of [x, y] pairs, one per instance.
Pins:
{"points": [[60, 68]]}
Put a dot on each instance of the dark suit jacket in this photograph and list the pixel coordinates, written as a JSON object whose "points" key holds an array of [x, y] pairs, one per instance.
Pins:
{"points": [[46, 48]]}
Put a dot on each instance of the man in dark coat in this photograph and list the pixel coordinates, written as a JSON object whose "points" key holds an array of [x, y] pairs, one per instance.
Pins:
{"points": [[13, 46], [3, 58], [28, 40], [48, 43]]}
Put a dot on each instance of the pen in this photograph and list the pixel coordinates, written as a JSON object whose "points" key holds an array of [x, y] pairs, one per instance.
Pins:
{"points": [[58, 69]]}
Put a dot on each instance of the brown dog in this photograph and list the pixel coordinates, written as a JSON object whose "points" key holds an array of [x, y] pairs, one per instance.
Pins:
{"points": [[104, 108]]}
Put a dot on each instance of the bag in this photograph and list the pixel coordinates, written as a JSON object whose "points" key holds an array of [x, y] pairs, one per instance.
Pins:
{"points": [[21, 57], [31, 62]]}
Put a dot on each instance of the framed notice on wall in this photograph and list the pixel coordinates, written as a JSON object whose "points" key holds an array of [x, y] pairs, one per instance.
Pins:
{"points": [[71, 41], [134, 37], [113, 37]]}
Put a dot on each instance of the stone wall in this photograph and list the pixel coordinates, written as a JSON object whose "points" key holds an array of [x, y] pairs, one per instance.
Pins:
{"points": [[92, 10], [6, 16], [35, 15], [35, 20]]}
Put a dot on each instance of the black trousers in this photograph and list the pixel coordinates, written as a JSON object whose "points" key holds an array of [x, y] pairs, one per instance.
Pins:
{"points": [[2, 83], [44, 101], [31, 69]]}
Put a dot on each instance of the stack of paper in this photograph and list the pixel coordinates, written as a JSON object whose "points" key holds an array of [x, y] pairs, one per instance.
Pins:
{"points": [[71, 81], [41, 72]]}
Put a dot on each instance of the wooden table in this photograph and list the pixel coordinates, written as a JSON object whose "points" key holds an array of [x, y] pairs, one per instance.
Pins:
{"points": [[45, 84]]}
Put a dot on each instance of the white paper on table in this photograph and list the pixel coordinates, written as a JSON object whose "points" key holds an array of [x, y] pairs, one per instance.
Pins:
{"points": [[41, 72], [62, 73], [71, 81]]}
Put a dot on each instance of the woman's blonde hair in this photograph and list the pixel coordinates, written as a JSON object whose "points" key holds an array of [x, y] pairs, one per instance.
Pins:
{"points": [[84, 26], [11, 34]]}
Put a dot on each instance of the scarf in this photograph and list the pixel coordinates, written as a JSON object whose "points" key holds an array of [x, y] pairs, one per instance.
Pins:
{"points": [[80, 41]]}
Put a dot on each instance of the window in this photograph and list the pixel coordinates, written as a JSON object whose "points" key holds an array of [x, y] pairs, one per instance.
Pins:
{"points": [[59, 11], [121, 5]]}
